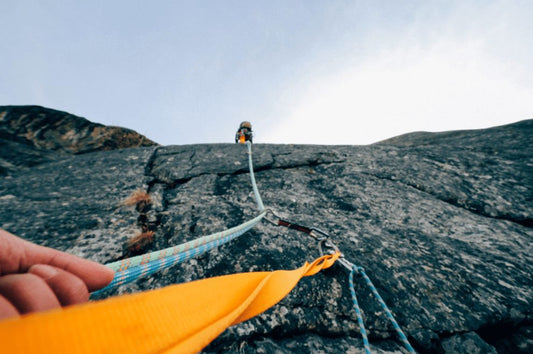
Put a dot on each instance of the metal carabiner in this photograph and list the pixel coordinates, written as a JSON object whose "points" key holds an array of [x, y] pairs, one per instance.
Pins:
{"points": [[318, 234], [270, 220], [326, 246]]}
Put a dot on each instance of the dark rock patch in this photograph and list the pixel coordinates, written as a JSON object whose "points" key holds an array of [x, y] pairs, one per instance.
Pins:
{"points": [[30, 135]]}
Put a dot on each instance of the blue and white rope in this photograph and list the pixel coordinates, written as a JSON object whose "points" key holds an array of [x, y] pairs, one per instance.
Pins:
{"points": [[184, 247], [130, 274], [395, 324], [358, 311]]}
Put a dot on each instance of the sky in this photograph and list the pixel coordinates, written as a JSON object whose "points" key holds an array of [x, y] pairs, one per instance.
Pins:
{"points": [[313, 72]]}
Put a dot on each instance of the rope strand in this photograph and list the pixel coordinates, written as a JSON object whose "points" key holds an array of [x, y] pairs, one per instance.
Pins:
{"points": [[252, 178], [358, 312], [391, 318], [128, 273]]}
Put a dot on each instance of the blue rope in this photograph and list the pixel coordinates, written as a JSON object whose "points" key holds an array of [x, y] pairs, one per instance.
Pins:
{"points": [[402, 336], [133, 273], [184, 247], [358, 312]]}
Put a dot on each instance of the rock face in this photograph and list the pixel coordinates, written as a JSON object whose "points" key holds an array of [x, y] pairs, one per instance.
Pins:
{"points": [[30, 135], [440, 222]]}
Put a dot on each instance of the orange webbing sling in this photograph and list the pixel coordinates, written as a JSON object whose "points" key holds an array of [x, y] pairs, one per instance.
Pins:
{"points": [[181, 318]]}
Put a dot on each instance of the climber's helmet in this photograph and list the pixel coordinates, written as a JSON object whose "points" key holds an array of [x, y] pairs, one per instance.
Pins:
{"points": [[244, 133]]}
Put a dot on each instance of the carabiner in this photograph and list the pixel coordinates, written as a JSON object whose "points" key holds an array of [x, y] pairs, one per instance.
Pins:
{"points": [[270, 220], [315, 231], [326, 245]]}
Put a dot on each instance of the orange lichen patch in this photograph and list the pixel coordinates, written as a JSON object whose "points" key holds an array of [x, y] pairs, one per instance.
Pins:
{"points": [[137, 197], [140, 242]]}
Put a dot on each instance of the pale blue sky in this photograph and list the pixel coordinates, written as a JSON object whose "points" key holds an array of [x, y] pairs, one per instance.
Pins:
{"points": [[323, 72]]}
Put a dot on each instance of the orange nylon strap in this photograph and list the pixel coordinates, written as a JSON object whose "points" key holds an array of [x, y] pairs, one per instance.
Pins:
{"points": [[181, 318]]}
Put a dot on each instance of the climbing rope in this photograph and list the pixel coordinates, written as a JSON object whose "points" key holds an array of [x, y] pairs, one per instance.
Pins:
{"points": [[252, 178], [326, 246], [391, 318], [184, 247], [352, 268], [131, 269], [358, 313]]}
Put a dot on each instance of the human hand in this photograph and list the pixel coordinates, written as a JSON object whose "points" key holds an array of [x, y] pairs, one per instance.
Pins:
{"points": [[36, 278]]}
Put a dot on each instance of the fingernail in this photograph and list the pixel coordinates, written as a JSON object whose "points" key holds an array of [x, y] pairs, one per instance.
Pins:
{"points": [[44, 271]]}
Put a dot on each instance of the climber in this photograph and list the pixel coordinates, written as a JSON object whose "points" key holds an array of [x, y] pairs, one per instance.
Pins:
{"points": [[244, 133], [35, 278]]}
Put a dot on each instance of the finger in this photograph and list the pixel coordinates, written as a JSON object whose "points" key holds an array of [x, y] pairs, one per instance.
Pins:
{"points": [[7, 309], [24, 254], [11, 252], [68, 288], [93, 274], [27, 293]]}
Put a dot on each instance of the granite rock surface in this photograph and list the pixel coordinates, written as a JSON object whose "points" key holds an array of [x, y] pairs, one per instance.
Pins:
{"points": [[441, 223]]}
